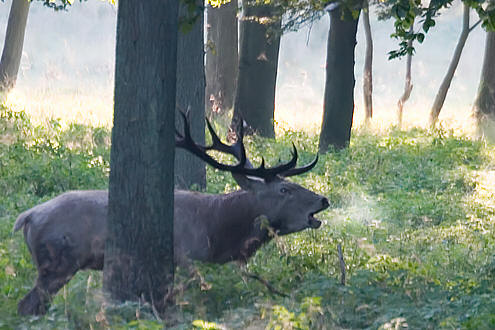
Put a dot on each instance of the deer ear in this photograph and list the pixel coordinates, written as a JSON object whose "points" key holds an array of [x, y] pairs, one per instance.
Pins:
{"points": [[247, 182]]}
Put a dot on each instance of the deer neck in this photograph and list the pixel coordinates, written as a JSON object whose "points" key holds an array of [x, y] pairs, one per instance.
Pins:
{"points": [[240, 226]]}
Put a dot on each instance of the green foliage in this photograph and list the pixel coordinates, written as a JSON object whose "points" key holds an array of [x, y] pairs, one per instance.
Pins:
{"points": [[413, 212], [486, 12], [58, 5], [298, 14], [405, 12], [194, 10], [205, 325], [217, 3], [49, 159], [281, 318]]}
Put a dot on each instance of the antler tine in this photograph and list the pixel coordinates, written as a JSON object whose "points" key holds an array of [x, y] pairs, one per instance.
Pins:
{"points": [[180, 140], [239, 144], [300, 170], [237, 150], [178, 135], [214, 138]]}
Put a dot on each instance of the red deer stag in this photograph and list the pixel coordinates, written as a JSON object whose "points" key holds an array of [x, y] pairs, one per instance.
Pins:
{"points": [[68, 233]]}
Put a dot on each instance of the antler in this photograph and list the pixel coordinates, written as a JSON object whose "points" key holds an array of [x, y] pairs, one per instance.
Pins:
{"points": [[243, 167]]}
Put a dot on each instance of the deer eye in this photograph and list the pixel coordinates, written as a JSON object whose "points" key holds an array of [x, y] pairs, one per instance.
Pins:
{"points": [[284, 190]]}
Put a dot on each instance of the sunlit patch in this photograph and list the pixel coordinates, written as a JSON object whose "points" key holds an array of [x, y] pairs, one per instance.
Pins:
{"points": [[486, 128], [298, 115], [92, 105], [485, 188], [298, 108], [396, 323]]}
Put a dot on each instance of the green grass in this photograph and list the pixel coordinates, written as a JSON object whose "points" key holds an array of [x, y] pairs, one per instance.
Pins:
{"points": [[414, 212]]}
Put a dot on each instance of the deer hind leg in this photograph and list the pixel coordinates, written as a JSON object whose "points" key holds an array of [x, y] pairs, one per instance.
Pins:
{"points": [[55, 269]]}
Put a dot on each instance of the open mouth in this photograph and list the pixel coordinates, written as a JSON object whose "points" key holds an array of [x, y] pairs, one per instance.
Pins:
{"points": [[312, 221]]}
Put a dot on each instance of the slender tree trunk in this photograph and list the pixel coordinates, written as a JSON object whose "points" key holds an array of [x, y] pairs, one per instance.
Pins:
{"points": [[484, 105], [139, 254], [368, 66], [339, 86], [14, 40], [408, 86], [190, 170], [444, 87], [221, 58], [258, 61]]}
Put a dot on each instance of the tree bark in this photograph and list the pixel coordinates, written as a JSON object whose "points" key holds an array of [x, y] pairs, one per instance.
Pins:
{"points": [[221, 58], [14, 40], [408, 86], [444, 87], [190, 171], [368, 65], [484, 105], [258, 61], [339, 86], [139, 254]]}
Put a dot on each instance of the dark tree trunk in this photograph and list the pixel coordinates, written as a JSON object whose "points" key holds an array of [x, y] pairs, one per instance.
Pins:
{"points": [[484, 106], [339, 86], [139, 249], [221, 58], [408, 86], [368, 65], [444, 87], [14, 40], [258, 61], [190, 171]]}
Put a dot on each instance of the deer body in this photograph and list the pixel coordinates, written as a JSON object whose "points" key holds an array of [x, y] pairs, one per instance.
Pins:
{"points": [[68, 232], [217, 228]]}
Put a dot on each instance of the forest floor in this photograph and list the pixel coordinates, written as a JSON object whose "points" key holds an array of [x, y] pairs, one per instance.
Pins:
{"points": [[413, 210]]}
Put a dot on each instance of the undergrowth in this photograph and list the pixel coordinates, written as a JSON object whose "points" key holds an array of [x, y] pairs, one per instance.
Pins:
{"points": [[413, 211]]}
